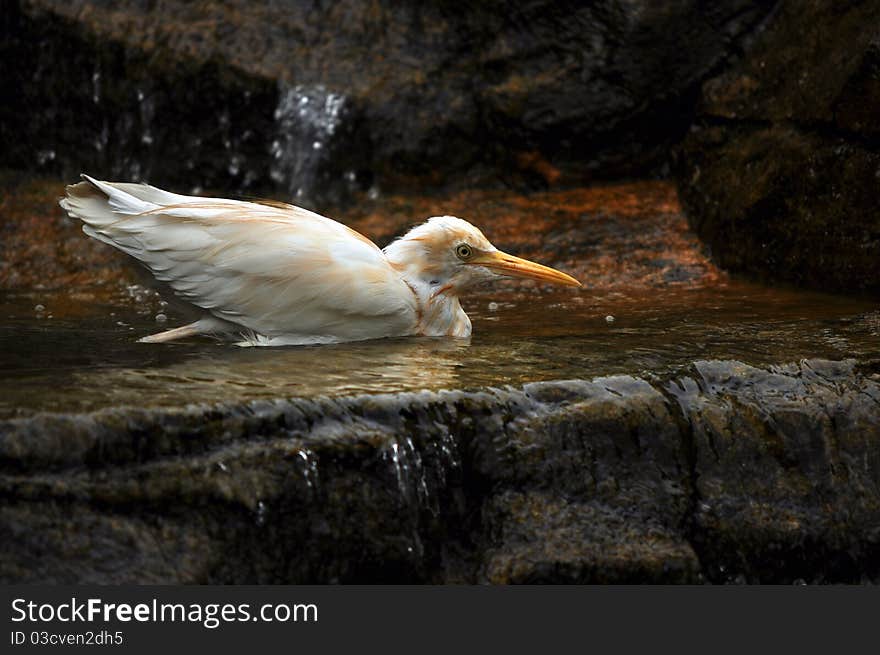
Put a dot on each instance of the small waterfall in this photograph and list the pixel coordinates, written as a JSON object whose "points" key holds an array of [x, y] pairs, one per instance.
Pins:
{"points": [[102, 138], [306, 119], [309, 464]]}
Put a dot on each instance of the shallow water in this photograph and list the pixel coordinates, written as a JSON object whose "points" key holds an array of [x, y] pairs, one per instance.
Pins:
{"points": [[91, 362]]}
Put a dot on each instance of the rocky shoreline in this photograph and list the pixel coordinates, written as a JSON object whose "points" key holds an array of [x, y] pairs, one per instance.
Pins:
{"points": [[729, 473]]}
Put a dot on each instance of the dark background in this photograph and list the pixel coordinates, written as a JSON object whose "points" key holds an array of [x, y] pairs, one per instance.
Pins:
{"points": [[765, 112]]}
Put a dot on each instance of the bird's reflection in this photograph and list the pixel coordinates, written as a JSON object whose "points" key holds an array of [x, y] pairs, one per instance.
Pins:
{"points": [[385, 365]]}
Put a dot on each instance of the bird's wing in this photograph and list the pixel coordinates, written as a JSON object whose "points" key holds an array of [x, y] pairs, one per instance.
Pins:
{"points": [[274, 269]]}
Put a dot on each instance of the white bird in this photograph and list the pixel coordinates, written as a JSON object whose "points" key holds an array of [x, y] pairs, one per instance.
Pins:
{"points": [[276, 274]]}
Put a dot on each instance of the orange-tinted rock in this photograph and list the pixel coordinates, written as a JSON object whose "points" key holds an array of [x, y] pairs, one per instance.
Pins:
{"points": [[616, 235], [630, 235], [43, 250]]}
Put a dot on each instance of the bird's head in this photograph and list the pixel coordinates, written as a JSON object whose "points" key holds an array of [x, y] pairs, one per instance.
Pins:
{"points": [[449, 254]]}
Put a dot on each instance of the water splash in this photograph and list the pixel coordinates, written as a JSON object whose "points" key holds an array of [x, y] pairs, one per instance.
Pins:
{"points": [[401, 468], [407, 465], [147, 110], [448, 455], [96, 85], [45, 156], [260, 513], [309, 463], [306, 119]]}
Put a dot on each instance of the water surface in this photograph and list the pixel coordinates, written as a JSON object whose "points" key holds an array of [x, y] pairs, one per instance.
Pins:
{"points": [[84, 363]]}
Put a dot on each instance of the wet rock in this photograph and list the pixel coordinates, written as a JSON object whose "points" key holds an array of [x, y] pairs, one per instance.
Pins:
{"points": [[628, 235], [779, 175], [79, 101], [787, 470], [618, 235], [545, 539], [596, 492], [54, 546], [243, 97], [729, 471], [42, 249]]}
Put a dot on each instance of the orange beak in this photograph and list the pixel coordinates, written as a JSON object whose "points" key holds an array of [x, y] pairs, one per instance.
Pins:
{"points": [[516, 267]]}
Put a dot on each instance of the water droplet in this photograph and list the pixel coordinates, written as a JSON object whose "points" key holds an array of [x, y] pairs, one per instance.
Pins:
{"points": [[493, 306], [96, 87], [39, 308], [44, 156], [310, 468], [161, 318], [609, 319]]}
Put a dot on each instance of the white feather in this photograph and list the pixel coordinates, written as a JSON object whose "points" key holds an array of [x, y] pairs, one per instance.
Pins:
{"points": [[283, 274], [278, 274]]}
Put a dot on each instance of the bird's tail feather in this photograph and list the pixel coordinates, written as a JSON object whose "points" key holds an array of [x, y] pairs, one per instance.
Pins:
{"points": [[99, 204], [113, 213]]}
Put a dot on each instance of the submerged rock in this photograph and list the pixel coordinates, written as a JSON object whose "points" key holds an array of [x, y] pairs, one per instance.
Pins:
{"points": [[780, 174], [729, 472]]}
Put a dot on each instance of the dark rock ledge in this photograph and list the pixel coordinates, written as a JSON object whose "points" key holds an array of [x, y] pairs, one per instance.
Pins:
{"points": [[780, 172], [726, 473]]}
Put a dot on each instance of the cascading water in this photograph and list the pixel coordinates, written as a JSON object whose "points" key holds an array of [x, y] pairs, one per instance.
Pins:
{"points": [[307, 117]]}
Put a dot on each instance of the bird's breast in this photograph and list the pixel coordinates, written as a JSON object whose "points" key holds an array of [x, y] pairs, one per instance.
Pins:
{"points": [[444, 317]]}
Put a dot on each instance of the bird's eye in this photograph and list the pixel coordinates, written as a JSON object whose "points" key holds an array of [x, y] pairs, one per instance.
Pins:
{"points": [[463, 251]]}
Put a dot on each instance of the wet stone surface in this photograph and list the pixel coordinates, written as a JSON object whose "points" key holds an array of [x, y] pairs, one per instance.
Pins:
{"points": [[808, 434], [724, 474]]}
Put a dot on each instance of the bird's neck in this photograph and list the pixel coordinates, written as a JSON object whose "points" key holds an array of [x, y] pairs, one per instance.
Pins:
{"points": [[439, 313]]}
